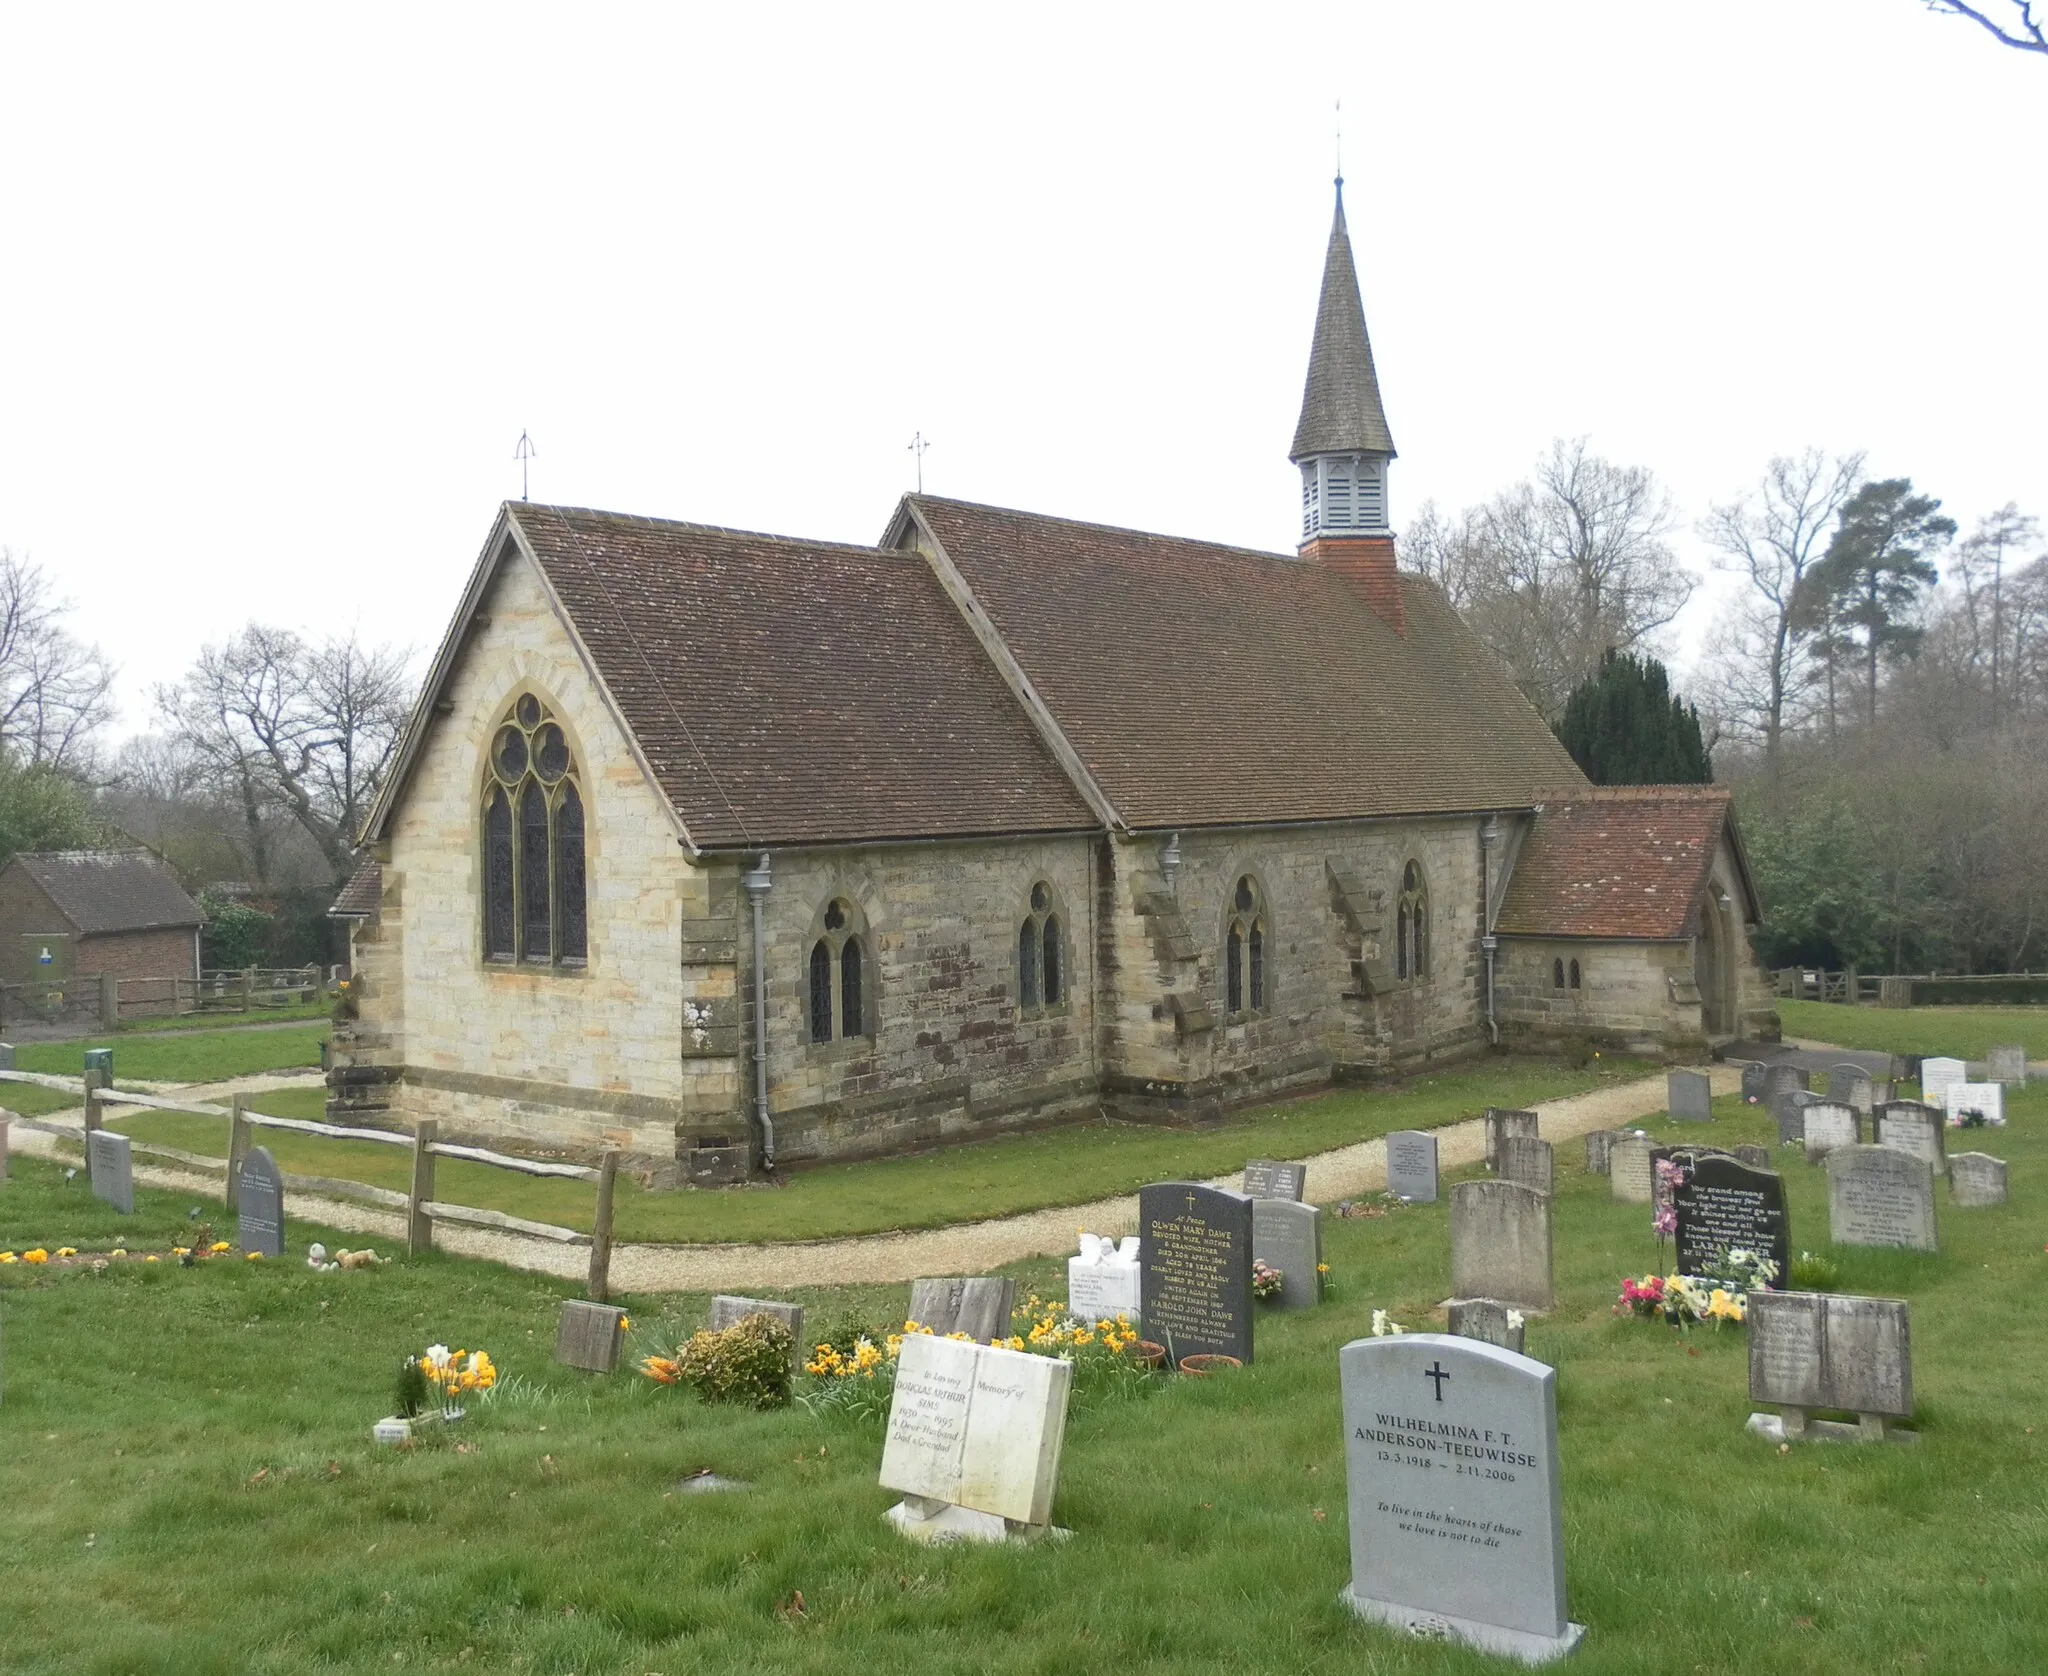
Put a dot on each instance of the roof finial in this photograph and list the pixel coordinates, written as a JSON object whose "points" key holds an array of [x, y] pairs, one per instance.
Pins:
{"points": [[1340, 153], [524, 454]]}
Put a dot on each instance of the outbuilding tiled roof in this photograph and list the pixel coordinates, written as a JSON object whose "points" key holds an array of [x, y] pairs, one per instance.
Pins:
{"points": [[361, 897], [1207, 685], [101, 891], [1617, 861], [788, 692]]}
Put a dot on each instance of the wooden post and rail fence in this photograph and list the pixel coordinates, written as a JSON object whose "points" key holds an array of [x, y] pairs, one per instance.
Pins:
{"points": [[421, 1208]]}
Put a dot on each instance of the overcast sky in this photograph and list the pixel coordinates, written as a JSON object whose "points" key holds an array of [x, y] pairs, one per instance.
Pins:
{"points": [[281, 287]]}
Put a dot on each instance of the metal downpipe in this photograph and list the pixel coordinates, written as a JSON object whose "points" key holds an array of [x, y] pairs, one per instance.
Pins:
{"points": [[756, 882]]}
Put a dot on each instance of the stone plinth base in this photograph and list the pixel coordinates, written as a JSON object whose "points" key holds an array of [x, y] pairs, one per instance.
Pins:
{"points": [[1793, 1426], [1522, 1644], [941, 1521]]}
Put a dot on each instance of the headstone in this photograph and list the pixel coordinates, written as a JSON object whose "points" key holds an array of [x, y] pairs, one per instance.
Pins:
{"points": [[1196, 1269], [1914, 1128], [259, 1198], [112, 1169], [1828, 1124], [973, 1430], [1289, 1237], [1599, 1142], [1936, 1075], [587, 1335], [1878, 1195], [1785, 1078], [1984, 1099], [1102, 1282], [1628, 1170], [1527, 1160], [1811, 1350], [1689, 1096], [2006, 1064], [1754, 1075], [1264, 1179], [1487, 1320], [1501, 1123], [1500, 1243], [980, 1308], [1725, 1205], [1851, 1085], [3, 1148], [731, 1311], [6, 1056], [1975, 1179], [1756, 1157], [1411, 1166], [1450, 1449], [1787, 1108]]}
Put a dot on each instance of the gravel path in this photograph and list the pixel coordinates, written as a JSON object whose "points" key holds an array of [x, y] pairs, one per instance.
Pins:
{"points": [[972, 1248]]}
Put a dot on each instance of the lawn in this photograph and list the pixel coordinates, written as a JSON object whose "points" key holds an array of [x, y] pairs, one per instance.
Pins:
{"points": [[316, 1011], [1962, 1032], [962, 1183], [184, 1056], [188, 1483]]}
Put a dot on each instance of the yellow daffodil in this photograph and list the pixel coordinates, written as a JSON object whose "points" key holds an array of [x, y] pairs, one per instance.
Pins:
{"points": [[218, 1246], [118, 1251], [39, 1255], [67, 1251], [252, 1256], [151, 1258], [7, 1257], [181, 1251]]}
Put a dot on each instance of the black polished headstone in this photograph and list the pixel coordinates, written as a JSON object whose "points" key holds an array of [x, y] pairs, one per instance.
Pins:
{"points": [[1264, 1179], [1722, 1203], [260, 1199], [1195, 1285], [109, 1164], [1753, 1074]]}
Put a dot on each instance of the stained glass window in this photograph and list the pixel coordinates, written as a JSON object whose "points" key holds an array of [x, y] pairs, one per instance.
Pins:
{"points": [[821, 992], [1055, 981], [499, 942], [852, 1020], [535, 888]]}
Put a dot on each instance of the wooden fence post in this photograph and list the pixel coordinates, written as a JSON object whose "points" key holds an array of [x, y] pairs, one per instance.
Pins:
{"points": [[92, 1120], [110, 1001], [601, 1228], [238, 1148], [419, 1226]]}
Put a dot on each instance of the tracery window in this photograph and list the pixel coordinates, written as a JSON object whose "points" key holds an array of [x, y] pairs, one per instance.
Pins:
{"points": [[1041, 953], [1411, 925], [535, 910], [1244, 949], [837, 991]]}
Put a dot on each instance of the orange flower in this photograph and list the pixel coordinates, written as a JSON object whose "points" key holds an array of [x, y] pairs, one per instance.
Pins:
{"points": [[662, 1369]]}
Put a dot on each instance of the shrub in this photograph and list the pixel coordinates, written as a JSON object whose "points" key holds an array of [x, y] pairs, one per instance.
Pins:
{"points": [[1814, 1272], [412, 1388], [746, 1363]]}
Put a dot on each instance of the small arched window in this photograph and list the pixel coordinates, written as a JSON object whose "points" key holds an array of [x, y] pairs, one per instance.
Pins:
{"points": [[1244, 949], [1575, 974], [534, 896], [1041, 952], [1557, 974], [1411, 925], [836, 993]]}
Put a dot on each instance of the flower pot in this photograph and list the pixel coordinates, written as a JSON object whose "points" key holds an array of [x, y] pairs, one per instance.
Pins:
{"points": [[392, 1429], [1199, 1367], [1147, 1354]]}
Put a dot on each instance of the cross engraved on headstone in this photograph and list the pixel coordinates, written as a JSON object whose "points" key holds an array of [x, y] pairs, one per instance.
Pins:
{"points": [[1439, 1373]]}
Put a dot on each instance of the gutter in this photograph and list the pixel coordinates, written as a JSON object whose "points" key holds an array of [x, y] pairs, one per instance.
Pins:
{"points": [[756, 882]]}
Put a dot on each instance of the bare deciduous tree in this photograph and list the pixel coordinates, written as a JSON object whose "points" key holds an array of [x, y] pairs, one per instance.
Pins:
{"points": [[54, 691], [2014, 24]]}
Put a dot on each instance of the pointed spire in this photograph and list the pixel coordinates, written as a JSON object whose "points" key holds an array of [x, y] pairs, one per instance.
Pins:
{"points": [[1340, 408]]}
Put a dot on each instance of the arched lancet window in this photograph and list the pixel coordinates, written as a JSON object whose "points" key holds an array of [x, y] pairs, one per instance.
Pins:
{"points": [[1041, 952], [535, 907], [836, 994], [1575, 974], [1411, 925], [1557, 974], [1244, 949]]}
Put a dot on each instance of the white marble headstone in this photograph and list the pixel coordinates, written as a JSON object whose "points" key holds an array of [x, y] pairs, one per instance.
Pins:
{"points": [[1987, 1098], [1827, 1125], [1937, 1074], [1102, 1282], [977, 1427]]}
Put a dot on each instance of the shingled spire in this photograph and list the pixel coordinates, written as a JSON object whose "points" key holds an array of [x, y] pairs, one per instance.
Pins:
{"points": [[1342, 443]]}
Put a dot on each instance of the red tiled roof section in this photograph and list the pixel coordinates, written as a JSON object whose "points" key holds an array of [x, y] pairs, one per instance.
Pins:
{"points": [[789, 692], [361, 897], [1206, 685], [1615, 861]]}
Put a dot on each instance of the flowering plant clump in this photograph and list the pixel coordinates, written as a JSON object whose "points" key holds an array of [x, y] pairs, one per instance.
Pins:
{"points": [[455, 1374], [1741, 1270], [1680, 1300], [1267, 1281], [1384, 1324], [747, 1362], [1664, 1220]]}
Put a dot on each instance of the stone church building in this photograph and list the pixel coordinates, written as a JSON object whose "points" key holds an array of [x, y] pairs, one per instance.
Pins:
{"points": [[739, 850]]}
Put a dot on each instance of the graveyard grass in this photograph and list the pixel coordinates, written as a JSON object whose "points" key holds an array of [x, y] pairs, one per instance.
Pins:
{"points": [[188, 1484], [1960, 1032], [963, 1183], [179, 1056]]}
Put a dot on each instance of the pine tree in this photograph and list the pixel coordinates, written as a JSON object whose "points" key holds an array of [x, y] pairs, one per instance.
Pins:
{"points": [[1624, 727]]}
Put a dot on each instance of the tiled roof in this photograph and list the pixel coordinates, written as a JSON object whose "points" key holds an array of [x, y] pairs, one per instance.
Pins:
{"points": [[100, 891], [1615, 861], [788, 692], [362, 895], [1207, 685], [1340, 404]]}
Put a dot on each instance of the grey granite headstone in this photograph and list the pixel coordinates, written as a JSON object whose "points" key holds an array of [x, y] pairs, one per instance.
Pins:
{"points": [[1828, 1124], [1785, 1077], [1525, 1159], [2006, 1064], [112, 1169], [1598, 1144], [1487, 1320], [1500, 1123], [260, 1201], [729, 1311], [980, 1307], [1754, 1075], [1500, 1243], [1725, 1205], [1869, 1355], [1689, 1096], [1914, 1128], [1289, 1237], [1975, 1179], [1756, 1157], [1628, 1170], [1843, 1077], [1411, 1165], [1450, 1450], [1196, 1281], [588, 1335], [1812, 1350], [1786, 1360], [1787, 1108], [1265, 1179], [1878, 1195]]}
